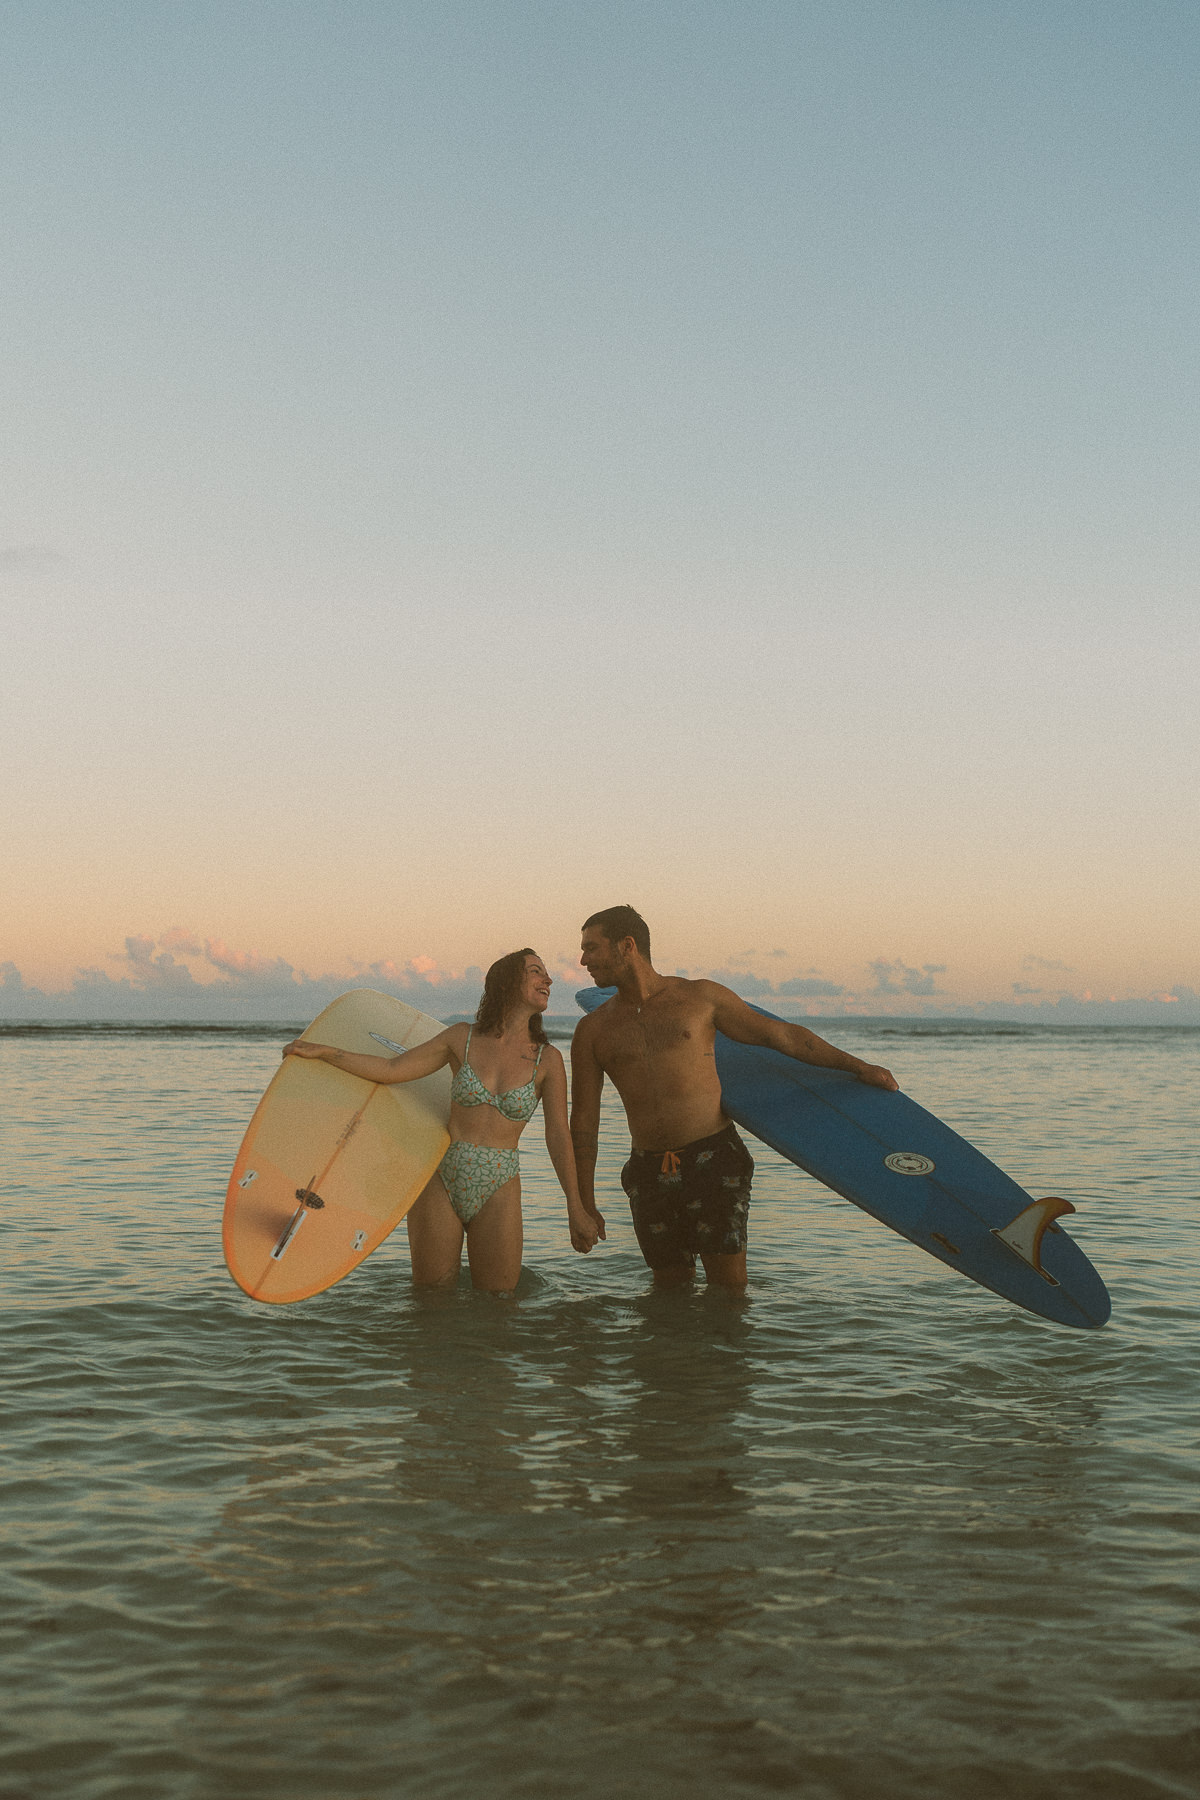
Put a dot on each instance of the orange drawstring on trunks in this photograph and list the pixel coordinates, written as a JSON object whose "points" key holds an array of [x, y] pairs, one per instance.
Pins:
{"points": [[670, 1164]]}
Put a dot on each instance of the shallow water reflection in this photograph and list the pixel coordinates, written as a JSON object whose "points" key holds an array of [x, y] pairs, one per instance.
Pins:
{"points": [[868, 1531]]}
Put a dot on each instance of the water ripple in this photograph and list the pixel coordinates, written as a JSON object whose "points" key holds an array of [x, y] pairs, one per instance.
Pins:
{"points": [[869, 1531]]}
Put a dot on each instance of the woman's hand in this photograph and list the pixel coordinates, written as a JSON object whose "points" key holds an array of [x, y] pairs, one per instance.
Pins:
{"points": [[587, 1228], [297, 1047]]}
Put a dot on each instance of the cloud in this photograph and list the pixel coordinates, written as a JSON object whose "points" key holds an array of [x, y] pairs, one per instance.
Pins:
{"points": [[246, 965], [751, 987], [186, 942], [149, 970], [422, 981], [28, 556], [898, 978], [251, 985], [742, 981], [153, 984], [152, 987], [565, 967], [808, 986], [1044, 966], [756, 987]]}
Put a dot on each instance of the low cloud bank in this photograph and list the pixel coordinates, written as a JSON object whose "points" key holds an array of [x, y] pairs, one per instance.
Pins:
{"points": [[153, 984], [153, 979], [898, 991], [756, 987]]}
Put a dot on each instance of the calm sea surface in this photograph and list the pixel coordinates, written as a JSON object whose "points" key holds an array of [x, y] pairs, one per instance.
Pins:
{"points": [[870, 1532]]}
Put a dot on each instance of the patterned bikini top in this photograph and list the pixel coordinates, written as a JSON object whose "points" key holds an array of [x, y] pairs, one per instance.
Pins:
{"points": [[518, 1104]]}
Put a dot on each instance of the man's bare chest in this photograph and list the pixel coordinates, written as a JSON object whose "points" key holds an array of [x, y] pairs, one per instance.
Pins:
{"points": [[662, 1037]]}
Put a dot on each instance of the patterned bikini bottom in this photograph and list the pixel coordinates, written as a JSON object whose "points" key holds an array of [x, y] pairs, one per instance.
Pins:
{"points": [[471, 1173]]}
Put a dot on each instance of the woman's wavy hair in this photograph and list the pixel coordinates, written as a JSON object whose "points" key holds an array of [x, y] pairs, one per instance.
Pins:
{"points": [[501, 989]]}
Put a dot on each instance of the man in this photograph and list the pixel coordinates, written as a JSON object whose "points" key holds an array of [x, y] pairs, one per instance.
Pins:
{"points": [[688, 1175]]}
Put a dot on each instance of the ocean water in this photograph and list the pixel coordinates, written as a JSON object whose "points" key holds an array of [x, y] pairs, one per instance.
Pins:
{"points": [[869, 1532]]}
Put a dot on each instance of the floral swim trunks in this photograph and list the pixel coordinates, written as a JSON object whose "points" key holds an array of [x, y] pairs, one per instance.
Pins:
{"points": [[690, 1202]]}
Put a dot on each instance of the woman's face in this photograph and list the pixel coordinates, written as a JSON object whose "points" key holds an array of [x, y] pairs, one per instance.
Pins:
{"points": [[535, 990]]}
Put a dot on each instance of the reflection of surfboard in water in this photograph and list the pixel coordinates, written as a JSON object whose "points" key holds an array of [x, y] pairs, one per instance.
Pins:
{"points": [[331, 1163], [906, 1168]]}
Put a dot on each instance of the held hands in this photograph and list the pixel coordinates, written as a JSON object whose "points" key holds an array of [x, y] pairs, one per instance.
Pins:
{"points": [[875, 1076], [587, 1228]]}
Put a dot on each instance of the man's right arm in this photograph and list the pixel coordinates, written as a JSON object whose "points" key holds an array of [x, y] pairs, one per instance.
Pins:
{"points": [[587, 1085]]}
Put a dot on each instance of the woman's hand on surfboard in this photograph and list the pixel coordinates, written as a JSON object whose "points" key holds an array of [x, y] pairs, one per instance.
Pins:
{"points": [[876, 1076], [299, 1047]]}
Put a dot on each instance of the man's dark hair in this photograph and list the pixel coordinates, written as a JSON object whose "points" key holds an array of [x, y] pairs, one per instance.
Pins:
{"points": [[617, 922]]}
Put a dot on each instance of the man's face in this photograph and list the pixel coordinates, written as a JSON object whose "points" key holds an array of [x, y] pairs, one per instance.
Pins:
{"points": [[600, 957]]}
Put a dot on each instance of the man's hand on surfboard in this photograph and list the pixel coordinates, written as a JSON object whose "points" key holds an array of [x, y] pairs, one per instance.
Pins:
{"points": [[876, 1076]]}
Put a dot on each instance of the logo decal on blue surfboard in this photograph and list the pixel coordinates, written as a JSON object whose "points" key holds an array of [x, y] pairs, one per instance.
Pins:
{"points": [[907, 1162]]}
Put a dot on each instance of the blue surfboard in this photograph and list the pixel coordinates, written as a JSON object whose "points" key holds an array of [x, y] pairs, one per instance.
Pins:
{"points": [[904, 1167]]}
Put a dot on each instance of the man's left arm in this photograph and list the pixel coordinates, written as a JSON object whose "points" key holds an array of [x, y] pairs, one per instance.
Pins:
{"points": [[745, 1026]]}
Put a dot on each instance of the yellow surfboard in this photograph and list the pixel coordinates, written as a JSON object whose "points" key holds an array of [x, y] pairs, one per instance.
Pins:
{"points": [[331, 1163]]}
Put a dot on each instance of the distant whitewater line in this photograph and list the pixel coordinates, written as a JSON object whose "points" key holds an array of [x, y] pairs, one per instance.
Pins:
{"points": [[841, 1024], [221, 1028]]}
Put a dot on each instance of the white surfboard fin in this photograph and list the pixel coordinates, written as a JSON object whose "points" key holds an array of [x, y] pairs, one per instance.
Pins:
{"points": [[1024, 1234]]}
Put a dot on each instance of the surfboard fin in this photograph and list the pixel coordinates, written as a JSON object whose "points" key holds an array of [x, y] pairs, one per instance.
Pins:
{"points": [[1024, 1234], [308, 1200], [289, 1231]]}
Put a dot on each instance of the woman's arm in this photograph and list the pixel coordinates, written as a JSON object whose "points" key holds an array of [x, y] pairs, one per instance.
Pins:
{"points": [[410, 1065], [586, 1227]]}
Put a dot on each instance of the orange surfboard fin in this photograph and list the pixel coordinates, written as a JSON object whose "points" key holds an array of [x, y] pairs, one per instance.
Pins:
{"points": [[1024, 1234]]}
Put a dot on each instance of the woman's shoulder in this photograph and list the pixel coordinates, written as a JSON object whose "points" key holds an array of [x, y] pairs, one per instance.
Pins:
{"points": [[551, 1055]]}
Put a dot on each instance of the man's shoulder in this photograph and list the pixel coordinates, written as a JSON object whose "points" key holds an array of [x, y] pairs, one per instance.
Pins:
{"points": [[588, 1025], [698, 993]]}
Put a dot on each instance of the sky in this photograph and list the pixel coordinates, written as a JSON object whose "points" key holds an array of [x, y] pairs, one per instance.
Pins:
{"points": [[466, 465]]}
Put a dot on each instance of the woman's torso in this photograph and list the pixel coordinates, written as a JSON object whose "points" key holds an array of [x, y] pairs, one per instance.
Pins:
{"points": [[482, 1110]]}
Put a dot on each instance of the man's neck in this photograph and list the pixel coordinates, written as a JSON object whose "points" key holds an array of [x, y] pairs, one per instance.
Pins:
{"points": [[640, 984]]}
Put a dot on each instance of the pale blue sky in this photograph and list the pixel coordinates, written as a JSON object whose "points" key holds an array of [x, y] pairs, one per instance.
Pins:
{"points": [[741, 459]]}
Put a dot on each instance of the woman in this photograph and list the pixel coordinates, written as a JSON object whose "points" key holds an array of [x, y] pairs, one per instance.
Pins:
{"points": [[503, 1065]]}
